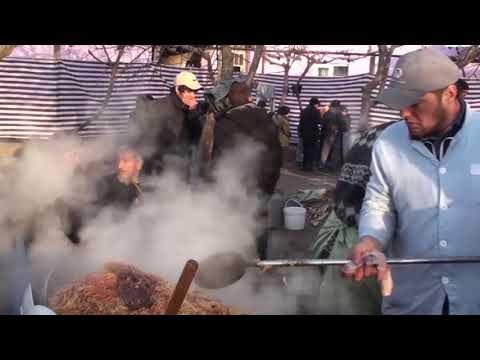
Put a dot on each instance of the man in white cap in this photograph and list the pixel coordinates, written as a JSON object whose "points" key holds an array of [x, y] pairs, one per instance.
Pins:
{"points": [[423, 196], [168, 126], [186, 85]]}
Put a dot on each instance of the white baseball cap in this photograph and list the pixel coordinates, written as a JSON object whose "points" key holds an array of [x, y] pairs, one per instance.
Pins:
{"points": [[188, 79]]}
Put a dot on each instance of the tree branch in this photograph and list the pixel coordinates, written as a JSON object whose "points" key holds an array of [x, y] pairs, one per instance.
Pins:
{"points": [[384, 57], [106, 53], [138, 56], [96, 58], [469, 55]]}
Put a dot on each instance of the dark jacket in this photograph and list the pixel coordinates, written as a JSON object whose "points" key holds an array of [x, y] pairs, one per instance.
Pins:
{"points": [[163, 126], [335, 125], [108, 192], [354, 176], [334, 121], [308, 129], [112, 192], [252, 122]]}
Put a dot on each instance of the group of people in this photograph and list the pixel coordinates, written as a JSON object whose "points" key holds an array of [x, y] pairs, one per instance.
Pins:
{"points": [[422, 189], [321, 135], [163, 134]]}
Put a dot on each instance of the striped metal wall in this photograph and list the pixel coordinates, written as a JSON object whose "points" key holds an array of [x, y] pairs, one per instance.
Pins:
{"points": [[39, 97]]}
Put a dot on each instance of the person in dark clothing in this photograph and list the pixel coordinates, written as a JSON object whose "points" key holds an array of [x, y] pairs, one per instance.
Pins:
{"points": [[243, 121], [310, 119], [122, 189], [282, 122], [262, 104], [167, 128], [336, 124]]}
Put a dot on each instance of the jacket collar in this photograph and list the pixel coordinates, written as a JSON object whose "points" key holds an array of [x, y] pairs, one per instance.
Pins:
{"points": [[459, 134]]}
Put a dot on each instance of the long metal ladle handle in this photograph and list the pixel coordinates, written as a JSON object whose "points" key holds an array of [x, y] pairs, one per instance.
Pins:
{"points": [[322, 262]]}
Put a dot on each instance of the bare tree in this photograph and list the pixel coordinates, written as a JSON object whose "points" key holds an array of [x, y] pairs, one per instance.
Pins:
{"points": [[57, 52], [115, 69], [219, 66], [257, 55], [226, 69], [297, 53], [204, 52], [311, 60], [227, 57], [6, 50], [466, 56], [384, 58], [285, 59]]}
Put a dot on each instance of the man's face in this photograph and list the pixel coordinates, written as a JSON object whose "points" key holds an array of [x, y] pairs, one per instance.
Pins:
{"points": [[426, 118], [129, 166], [188, 97]]}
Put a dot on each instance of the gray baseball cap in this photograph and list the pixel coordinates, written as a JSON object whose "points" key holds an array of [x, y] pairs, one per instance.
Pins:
{"points": [[417, 73]]}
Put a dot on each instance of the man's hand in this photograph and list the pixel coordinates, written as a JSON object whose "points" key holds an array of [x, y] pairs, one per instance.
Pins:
{"points": [[367, 260], [189, 99], [72, 158]]}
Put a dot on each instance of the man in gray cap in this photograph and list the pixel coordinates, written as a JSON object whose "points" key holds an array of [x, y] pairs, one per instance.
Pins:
{"points": [[423, 196]]}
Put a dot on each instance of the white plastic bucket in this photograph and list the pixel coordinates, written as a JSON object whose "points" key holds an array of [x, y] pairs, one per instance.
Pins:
{"points": [[294, 216]]}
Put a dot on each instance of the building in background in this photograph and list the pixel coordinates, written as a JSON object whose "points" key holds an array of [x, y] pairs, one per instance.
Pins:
{"points": [[335, 65]]}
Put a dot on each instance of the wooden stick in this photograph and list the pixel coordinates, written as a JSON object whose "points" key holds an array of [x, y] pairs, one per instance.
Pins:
{"points": [[181, 289]]}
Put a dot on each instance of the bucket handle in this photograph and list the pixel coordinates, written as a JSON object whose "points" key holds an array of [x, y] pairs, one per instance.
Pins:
{"points": [[295, 201]]}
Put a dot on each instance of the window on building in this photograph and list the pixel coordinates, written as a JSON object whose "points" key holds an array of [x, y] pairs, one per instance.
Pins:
{"points": [[323, 72], [340, 71], [238, 59]]}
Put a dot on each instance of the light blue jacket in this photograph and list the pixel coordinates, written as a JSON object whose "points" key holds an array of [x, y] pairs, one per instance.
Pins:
{"points": [[418, 206]]}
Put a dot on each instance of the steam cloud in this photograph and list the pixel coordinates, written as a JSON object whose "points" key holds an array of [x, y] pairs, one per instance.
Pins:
{"points": [[174, 223]]}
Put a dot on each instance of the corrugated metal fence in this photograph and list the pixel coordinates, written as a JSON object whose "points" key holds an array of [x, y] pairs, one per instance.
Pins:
{"points": [[40, 97]]}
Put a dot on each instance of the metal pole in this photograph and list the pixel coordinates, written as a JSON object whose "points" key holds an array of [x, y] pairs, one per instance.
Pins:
{"points": [[334, 262]]}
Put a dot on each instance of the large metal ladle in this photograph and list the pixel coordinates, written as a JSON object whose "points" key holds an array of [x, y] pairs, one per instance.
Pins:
{"points": [[224, 269]]}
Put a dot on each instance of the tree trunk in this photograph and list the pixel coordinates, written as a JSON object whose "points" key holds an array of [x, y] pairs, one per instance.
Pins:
{"points": [[254, 65], [226, 72], [6, 50], [286, 68], [57, 52], [113, 77], [372, 65], [365, 112], [384, 58], [211, 73], [468, 56], [263, 63], [310, 63]]}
